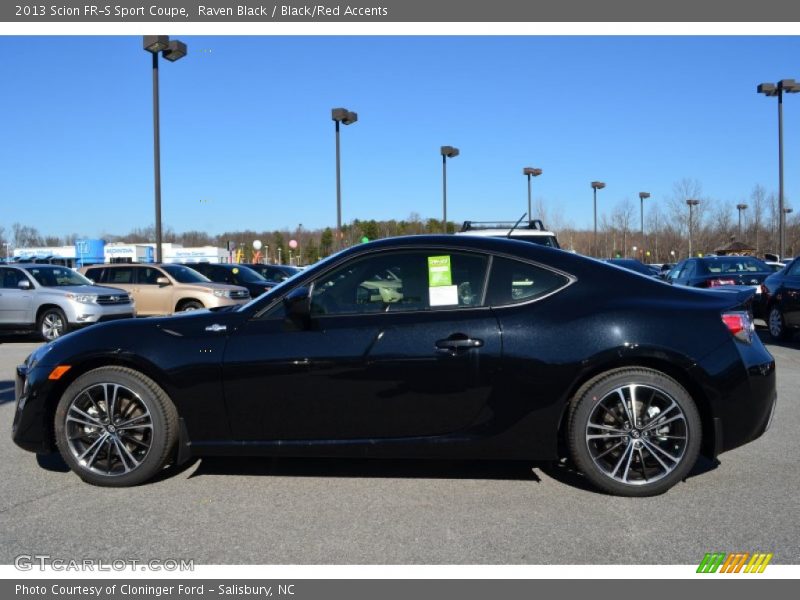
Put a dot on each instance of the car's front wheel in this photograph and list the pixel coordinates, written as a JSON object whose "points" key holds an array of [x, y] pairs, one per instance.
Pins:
{"points": [[776, 324], [115, 426], [634, 431], [52, 324]]}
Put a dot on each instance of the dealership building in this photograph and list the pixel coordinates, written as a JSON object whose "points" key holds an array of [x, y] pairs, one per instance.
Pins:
{"points": [[92, 252]]}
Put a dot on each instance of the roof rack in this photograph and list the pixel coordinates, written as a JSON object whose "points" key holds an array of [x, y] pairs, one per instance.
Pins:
{"points": [[472, 225]]}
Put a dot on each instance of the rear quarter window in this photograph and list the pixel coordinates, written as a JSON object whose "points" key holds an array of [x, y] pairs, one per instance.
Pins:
{"points": [[513, 282]]}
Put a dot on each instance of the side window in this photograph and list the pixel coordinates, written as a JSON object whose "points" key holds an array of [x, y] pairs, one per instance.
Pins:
{"points": [[689, 269], [401, 281], [10, 278], [794, 269], [513, 281], [96, 275], [122, 275], [147, 275], [222, 275]]}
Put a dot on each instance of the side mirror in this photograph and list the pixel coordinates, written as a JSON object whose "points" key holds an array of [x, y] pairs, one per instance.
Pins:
{"points": [[298, 307], [162, 281], [24, 284]]}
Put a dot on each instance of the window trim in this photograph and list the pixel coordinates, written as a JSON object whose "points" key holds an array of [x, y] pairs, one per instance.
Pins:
{"points": [[571, 279]]}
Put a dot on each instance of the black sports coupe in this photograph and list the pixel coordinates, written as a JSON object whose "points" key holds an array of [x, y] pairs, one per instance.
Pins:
{"points": [[416, 347]]}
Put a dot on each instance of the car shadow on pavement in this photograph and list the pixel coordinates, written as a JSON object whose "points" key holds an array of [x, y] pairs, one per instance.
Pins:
{"points": [[360, 467], [766, 338], [564, 472], [6, 391], [11, 338]]}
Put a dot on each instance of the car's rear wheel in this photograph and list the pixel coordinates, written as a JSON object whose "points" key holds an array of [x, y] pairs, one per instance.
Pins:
{"points": [[115, 427], [52, 324], [634, 431], [776, 324]]}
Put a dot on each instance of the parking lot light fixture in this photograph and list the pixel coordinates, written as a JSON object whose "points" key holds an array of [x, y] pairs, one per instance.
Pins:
{"points": [[596, 185], [741, 208], [172, 51], [642, 196], [446, 152], [345, 117], [691, 203], [789, 86], [530, 172]]}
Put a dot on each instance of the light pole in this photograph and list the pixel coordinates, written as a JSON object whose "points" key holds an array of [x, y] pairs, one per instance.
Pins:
{"points": [[8, 252], [530, 172], [596, 185], [642, 196], [346, 117], [691, 204], [770, 89], [741, 208], [447, 152], [171, 50]]}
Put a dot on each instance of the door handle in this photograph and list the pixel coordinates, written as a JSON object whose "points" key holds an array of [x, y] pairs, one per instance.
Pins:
{"points": [[458, 342], [216, 328]]}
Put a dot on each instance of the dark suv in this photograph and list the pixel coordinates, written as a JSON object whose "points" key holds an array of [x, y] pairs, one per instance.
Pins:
{"points": [[235, 274]]}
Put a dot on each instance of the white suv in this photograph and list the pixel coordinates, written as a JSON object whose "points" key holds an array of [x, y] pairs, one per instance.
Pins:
{"points": [[528, 231], [52, 300]]}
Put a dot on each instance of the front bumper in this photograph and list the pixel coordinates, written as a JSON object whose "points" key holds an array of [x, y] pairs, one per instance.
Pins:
{"points": [[32, 428]]}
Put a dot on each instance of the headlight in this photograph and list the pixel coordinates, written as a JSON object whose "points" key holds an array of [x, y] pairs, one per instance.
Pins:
{"points": [[83, 298], [222, 293]]}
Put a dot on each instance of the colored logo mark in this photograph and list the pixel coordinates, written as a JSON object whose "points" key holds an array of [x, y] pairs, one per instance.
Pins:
{"points": [[735, 562]]}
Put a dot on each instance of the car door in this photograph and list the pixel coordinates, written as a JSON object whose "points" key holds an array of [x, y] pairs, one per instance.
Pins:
{"points": [[790, 293], [414, 361], [151, 295], [16, 304]]}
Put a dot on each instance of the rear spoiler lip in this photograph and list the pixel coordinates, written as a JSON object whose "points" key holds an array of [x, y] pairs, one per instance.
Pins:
{"points": [[741, 295]]}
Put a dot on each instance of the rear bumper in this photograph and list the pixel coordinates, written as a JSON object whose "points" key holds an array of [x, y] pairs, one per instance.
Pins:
{"points": [[739, 383]]}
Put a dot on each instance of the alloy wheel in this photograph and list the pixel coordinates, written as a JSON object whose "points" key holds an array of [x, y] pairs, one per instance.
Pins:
{"points": [[52, 326], [637, 434], [109, 429], [775, 323]]}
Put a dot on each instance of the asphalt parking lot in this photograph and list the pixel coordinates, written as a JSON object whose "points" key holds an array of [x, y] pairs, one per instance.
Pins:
{"points": [[262, 511]]}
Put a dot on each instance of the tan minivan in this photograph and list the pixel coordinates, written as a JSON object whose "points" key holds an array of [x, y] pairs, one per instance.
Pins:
{"points": [[163, 289]]}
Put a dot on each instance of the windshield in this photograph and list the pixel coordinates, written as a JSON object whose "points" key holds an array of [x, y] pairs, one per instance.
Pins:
{"points": [[247, 275], [49, 276], [183, 274]]}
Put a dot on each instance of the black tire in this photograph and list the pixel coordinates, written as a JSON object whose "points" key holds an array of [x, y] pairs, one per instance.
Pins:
{"points": [[777, 324], [52, 324], [632, 459], [190, 305], [146, 418]]}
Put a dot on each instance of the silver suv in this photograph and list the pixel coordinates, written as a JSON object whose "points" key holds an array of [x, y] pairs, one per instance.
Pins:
{"points": [[52, 300], [527, 231]]}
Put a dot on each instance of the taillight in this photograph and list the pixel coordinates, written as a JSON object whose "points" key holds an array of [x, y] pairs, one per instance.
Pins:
{"points": [[740, 324], [717, 282]]}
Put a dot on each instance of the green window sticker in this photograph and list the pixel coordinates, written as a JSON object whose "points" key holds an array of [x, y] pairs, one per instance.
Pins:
{"points": [[439, 272]]}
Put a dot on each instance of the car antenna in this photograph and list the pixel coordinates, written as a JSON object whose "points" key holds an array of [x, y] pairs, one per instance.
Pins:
{"points": [[510, 231]]}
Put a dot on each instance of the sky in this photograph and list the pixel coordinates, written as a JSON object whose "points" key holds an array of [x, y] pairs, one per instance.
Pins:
{"points": [[247, 139]]}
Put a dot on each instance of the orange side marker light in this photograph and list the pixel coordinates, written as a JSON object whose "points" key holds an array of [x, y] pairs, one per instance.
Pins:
{"points": [[58, 372]]}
